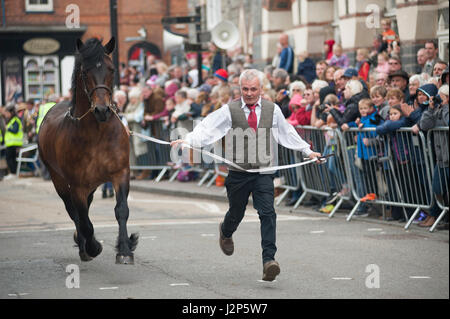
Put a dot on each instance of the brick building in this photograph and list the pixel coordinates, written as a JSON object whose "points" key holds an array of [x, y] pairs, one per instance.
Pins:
{"points": [[37, 38]]}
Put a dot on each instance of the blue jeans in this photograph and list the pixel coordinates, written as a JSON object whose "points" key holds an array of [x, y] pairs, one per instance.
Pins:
{"points": [[357, 178]]}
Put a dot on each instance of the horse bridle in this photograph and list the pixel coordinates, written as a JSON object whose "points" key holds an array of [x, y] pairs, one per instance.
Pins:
{"points": [[111, 105]]}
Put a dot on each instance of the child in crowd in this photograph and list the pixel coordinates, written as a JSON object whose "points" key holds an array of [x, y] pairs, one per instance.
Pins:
{"points": [[362, 65], [383, 63], [339, 58], [366, 151], [399, 151], [378, 95]]}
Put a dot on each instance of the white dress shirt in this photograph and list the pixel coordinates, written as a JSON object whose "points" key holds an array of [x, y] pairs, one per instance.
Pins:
{"points": [[217, 124]]}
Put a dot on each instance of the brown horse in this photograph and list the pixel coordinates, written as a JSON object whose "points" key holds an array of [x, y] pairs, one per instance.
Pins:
{"points": [[84, 144]]}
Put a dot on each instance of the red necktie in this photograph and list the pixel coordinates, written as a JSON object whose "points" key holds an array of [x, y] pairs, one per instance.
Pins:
{"points": [[252, 119]]}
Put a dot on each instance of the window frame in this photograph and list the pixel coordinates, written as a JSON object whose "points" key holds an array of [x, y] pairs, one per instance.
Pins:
{"points": [[32, 8]]}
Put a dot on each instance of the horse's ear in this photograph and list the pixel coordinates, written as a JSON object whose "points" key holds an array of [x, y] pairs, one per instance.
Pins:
{"points": [[110, 46], [80, 44]]}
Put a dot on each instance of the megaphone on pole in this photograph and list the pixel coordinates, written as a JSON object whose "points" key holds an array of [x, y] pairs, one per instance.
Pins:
{"points": [[225, 35], [171, 40]]}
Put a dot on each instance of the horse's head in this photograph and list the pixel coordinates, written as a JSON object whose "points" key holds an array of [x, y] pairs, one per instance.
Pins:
{"points": [[97, 75]]}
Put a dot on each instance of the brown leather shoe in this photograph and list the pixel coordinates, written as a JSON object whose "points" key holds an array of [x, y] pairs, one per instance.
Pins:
{"points": [[271, 269], [226, 244], [428, 222], [144, 175]]}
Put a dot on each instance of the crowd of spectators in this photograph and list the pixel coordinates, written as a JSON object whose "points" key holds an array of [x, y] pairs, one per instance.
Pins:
{"points": [[373, 91]]}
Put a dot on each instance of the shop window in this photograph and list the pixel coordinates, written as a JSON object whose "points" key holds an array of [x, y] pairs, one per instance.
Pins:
{"points": [[39, 5]]}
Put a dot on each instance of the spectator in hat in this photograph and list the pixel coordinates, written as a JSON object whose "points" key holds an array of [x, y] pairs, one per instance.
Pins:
{"points": [[222, 75], [399, 80], [352, 74]]}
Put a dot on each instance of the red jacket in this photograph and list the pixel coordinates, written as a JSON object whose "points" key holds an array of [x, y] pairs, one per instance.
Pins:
{"points": [[364, 71]]}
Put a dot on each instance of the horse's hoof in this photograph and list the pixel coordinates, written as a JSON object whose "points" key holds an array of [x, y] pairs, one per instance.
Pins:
{"points": [[85, 257], [75, 237], [124, 260]]}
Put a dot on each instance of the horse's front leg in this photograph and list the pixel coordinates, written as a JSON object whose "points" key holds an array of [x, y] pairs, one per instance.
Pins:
{"points": [[125, 246], [88, 245]]}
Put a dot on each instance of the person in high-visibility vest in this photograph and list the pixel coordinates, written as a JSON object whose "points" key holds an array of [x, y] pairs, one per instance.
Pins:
{"points": [[43, 110], [13, 137]]}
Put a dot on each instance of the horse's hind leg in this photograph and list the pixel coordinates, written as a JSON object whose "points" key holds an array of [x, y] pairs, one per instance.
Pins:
{"points": [[125, 246], [90, 248]]}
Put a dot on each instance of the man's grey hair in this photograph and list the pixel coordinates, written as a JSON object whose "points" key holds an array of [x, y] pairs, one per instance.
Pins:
{"points": [[280, 73], [250, 74], [418, 78]]}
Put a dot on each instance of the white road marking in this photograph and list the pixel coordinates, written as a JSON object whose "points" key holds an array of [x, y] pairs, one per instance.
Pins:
{"points": [[19, 294], [148, 237], [374, 229], [162, 223], [207, 235], [207, 207], [419, 277], [342, 278], [267, 282], [316, 231], [108, 288], [180, 284]]}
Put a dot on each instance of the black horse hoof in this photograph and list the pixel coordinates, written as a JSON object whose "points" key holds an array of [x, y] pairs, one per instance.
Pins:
{"points": [[85, 257], [75, 237], [124, 260]]}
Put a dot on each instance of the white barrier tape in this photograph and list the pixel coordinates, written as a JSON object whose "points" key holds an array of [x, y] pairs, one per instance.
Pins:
{"points": [[254, 170]]}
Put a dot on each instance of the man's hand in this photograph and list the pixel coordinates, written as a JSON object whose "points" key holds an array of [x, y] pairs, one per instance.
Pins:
{"points": [[345, 127], [315, 155], [415, 129], [407, 109], [177, 142]]}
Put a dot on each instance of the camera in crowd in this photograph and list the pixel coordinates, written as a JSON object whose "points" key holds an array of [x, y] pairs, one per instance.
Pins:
{"points": [[322, 107]]}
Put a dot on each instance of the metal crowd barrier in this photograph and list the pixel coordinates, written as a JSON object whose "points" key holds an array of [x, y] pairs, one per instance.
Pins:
{"points": [[440, 163], [393, 167], [290, 177], [331, 178], [157, 156]]}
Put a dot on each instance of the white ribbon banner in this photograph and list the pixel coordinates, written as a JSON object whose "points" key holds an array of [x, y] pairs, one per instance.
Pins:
{"points": [[255, 170]]}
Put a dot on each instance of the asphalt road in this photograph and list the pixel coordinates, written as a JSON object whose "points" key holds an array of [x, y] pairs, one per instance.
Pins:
{"points": [[178, 254]]}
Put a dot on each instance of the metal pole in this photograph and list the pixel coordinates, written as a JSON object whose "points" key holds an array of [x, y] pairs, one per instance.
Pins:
{"points": [[198, 29], [114, 33], [3, 14]]}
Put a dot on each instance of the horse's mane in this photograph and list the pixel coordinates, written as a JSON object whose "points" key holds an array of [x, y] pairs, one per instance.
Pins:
{"points": [[89, 55]]}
